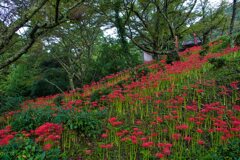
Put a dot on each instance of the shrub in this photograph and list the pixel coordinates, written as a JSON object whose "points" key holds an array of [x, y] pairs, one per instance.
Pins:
{"points": [[140, 72], [10, 103], [21, 148], [96, 95], [217, 62], [172, 56], [223, 42], [229, 151], [49, 82], [58, 100], [31, 119], [204, 51], [237, 39], [86, 124]]}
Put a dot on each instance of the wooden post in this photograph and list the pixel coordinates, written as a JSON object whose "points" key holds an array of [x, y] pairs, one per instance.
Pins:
{"points": [[195, 38], [176, 42]]}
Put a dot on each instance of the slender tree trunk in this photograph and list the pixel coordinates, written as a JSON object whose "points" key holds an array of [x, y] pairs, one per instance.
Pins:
{"points": [[121, 32], [234, 8], [71, 83]]}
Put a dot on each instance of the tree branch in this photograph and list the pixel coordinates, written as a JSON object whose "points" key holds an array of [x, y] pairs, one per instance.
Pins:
{"points": [[18, 24]]}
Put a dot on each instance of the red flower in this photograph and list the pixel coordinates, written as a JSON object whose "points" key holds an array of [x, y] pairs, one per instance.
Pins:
{"points": [[201, 142], [159, 120], [159, 155], [147, 144], [166, 151], [104, 135], [106, 146], [88, 151], [176, 136], [47, 147], [200, 131], [182, 127], [187, 138]]}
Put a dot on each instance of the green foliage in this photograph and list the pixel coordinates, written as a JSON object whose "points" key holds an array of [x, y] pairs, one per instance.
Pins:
{"points": [[227, 73], [8, 103], [96, 95], [237, 39], [110, 59], [21, 148], [231, 151], [58, 100], [19, 81], [31, 119], [203, 53], [86, 124], [171, 57], [49, 82], [139, 72], [217, 62], [222, 43]]}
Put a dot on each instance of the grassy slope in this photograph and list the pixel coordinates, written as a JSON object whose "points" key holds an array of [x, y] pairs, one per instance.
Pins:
{"points": [[179, 111]]}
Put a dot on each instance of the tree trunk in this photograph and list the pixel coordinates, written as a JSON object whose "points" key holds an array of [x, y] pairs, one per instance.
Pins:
{"points": [[71, 83], [234, 7], [121, 32]]}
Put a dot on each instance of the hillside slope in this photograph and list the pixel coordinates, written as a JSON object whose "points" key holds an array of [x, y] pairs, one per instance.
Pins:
{"points": [[187, 110]]}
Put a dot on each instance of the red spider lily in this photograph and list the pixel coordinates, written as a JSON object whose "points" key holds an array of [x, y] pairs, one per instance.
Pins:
{"points": [[159, 120], [104, 135], [106, 146], [47, 147], [182, 127], [167, 151], [147, 144], [200, 91], [236, 108], [113, 121], [159, 155], [88, 151], [200, 142], [49, 134], [6, 135], [176, 136], [144, 139], [234, 84], [199, 130], [187, 138], [133, 139], [192, 108], [138, 122]]}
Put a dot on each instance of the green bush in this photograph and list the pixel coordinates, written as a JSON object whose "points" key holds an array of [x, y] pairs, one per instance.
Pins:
{"points": [[21, 148], [96, 95], [237, 39], [204, 51], [217, 62], [227, 73], [58, 100], [50, 82], [86, 124], [225, 42], [172, 56], [140, 72], [231, 151], [8, 103], [31, 119]]}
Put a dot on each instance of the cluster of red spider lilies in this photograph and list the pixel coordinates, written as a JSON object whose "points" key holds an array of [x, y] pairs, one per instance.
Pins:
{"points": [[167, 113]]}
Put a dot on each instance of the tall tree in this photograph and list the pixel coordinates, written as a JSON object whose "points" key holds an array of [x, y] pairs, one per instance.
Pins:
{"points": [[234, 8], [210, 19], [154, 26], [34, 17]]}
